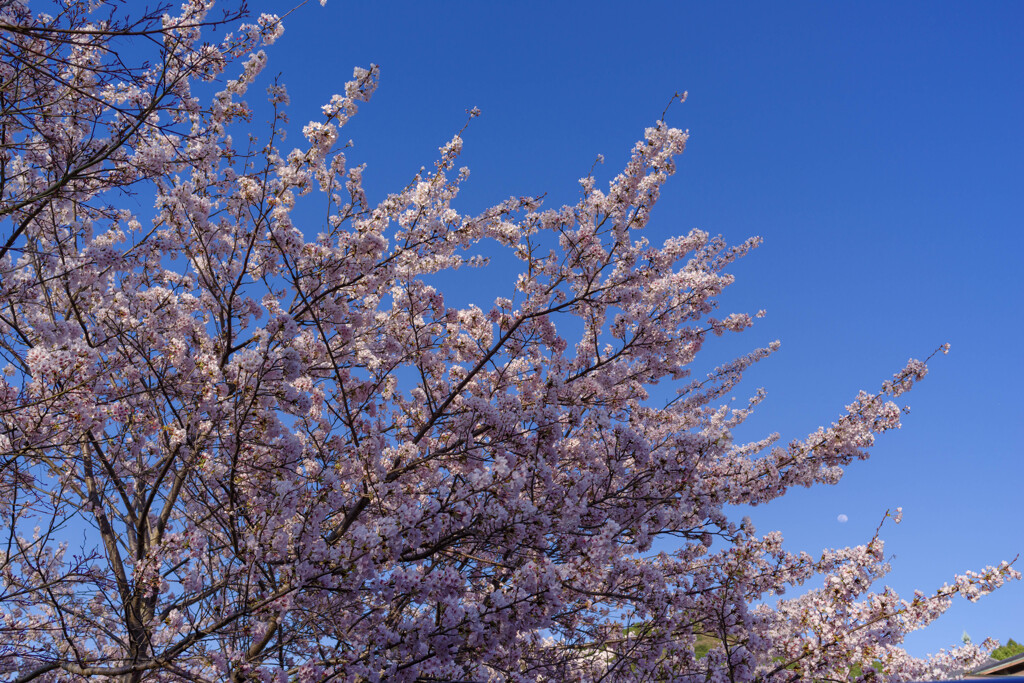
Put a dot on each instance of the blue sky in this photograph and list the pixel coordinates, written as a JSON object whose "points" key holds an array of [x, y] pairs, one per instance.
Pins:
{"points": [[876, 147]]}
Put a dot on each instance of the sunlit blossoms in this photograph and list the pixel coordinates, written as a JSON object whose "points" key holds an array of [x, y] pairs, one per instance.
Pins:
{"points": [[245, 441]]}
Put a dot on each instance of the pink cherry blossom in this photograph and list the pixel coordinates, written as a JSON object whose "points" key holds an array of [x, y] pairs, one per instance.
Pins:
{"points": [[237, 446]]}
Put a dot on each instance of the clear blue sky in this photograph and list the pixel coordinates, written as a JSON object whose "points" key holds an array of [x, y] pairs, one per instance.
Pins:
{"points": [[877, 147]]}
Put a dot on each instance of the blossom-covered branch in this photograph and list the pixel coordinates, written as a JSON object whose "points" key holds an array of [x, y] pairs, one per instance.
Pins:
{"points": [[240, 443]]}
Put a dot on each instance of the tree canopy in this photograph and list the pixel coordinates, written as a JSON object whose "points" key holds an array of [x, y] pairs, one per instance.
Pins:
{"points": [[1011, 649], [241, 441]]}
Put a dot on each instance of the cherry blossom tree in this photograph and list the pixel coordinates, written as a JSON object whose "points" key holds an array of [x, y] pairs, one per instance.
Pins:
{"points": [[239, 445]]}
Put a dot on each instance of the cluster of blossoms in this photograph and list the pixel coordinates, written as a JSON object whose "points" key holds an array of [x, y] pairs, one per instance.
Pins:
{"points": [[283, 456]]}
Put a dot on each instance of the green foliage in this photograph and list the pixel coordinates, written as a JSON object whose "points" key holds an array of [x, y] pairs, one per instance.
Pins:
{"points": [[1011, 648], [856, 670], [704, 644], [701, 648]]}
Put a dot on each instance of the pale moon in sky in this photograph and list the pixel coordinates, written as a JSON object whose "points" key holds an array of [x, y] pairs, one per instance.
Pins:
{"points": [[842, 519]]}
